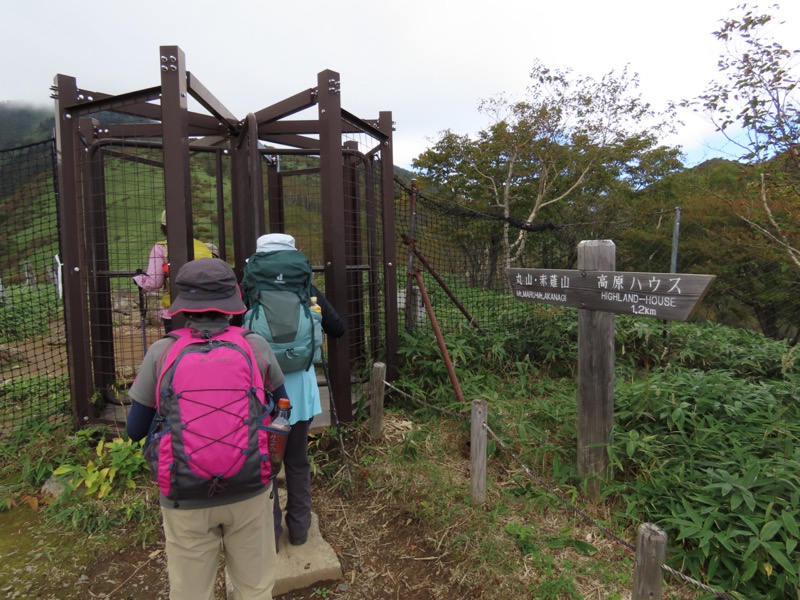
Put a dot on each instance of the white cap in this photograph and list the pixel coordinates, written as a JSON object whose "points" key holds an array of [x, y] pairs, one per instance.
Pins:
{"points": [[272, 242]]}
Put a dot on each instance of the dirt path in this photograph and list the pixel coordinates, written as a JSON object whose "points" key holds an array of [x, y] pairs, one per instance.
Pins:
{"points": [[381, 554]]}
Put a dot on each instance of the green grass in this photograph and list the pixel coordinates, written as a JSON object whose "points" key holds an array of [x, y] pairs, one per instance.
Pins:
{"points": [[28, 311], [31, 454], [705, 445], [705, 441], [26, 400]]}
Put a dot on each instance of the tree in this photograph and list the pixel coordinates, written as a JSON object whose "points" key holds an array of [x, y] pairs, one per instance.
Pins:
{"points": [[571, 144], [755, 287], [755, 107]]}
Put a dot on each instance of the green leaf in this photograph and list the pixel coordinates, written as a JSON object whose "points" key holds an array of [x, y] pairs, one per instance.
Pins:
{"points": [[769, 530], [754, 543], [749, 570], [713, 564], [687, 532], [776, 552], [750, 523], [104, 488], [725, 488], [790, 523], [630, 448], [791, 544], [580, 546], [724, 540]]}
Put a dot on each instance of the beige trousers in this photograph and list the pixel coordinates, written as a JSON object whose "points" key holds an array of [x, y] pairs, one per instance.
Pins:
{"points": [[193, 537]]}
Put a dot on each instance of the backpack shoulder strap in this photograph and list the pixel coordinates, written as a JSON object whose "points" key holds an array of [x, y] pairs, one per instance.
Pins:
{"points": [[161, 361], [260, 358]]}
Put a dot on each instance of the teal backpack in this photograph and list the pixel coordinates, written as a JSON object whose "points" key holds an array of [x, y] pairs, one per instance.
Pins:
{"points": [[277, 288]]}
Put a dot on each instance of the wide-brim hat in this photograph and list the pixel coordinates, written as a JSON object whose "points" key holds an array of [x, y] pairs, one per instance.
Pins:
{"points": [[207, 284]]}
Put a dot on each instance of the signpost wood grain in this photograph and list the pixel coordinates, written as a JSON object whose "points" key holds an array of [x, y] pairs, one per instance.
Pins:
{"points": [[595, 375], [600, 292]]}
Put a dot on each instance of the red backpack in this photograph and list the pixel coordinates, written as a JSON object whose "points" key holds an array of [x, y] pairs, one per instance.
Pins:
{"points": [[209, 435]]}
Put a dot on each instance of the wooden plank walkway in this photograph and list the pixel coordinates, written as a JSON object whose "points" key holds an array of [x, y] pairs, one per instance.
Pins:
{"points": [[325, 420]]}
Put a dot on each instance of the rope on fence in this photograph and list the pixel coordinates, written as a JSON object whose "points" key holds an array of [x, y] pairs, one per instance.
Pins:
{"points": [[556, 494], [696, 583]]}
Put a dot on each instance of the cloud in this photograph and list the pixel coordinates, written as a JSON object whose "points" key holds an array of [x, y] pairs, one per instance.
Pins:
{"points": [[428, 62]]}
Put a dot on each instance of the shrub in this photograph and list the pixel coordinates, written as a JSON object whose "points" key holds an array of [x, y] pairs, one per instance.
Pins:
{"points": [[27, 312], [714, 459]]}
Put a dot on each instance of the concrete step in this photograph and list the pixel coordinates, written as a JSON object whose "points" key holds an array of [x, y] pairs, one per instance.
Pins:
{"points": [[302, 566], [299, 567]]}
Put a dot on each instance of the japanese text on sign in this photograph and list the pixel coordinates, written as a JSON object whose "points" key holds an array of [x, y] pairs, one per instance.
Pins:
{"points": [[661, 295], [657, 283]]}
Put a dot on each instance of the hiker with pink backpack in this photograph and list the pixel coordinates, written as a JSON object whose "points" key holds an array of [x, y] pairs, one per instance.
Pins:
{"points": [[203, 398]]}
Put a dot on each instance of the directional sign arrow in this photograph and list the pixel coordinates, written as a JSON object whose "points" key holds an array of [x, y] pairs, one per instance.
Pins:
{"points": [[671, 296]]}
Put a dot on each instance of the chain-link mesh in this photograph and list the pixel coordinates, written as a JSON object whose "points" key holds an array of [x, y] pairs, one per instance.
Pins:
{"points": [[300, 188], [123, 223], [458, 249], [756, 285], [35, 380]]}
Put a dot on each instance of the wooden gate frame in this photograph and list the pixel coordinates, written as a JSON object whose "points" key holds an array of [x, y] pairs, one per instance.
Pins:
{"points": [[178, 129]]}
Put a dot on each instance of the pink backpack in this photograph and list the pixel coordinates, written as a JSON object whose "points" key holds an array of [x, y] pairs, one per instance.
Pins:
{"points": [[209, 435]]}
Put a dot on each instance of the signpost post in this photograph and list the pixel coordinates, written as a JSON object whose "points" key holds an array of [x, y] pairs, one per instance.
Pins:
{"points": [[599, 292]]}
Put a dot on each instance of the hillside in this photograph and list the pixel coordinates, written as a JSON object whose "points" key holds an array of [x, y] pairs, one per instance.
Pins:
{"points": [[22, 124]]}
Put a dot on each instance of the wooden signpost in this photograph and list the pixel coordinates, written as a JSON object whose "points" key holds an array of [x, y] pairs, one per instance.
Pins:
{"points": [[599, 292]]}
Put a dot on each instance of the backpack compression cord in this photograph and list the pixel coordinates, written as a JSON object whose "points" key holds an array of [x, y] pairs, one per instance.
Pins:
{"points": [[211, 406]]}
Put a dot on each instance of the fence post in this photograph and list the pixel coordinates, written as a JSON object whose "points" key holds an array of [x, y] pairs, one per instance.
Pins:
{"points": [[651, 548], [30, 275], [376, 389], [412, 294], [477, 452], [676, 238], [595, 374]]}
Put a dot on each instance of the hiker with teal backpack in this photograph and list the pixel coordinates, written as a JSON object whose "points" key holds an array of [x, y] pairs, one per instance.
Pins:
{"points": [[278, 292], [203, 398]]}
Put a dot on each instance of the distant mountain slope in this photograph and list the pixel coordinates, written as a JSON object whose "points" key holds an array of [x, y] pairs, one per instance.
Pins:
{"points": [[22, 124]]}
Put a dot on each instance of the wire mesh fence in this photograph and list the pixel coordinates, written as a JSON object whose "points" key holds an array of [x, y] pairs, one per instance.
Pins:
{"points": [[296, 177], [756, 287], [461, 253], [124, 216], [32, 344], [122, 223]]}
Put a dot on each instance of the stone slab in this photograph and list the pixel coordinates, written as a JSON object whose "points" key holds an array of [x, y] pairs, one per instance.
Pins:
{"points": [[299, 567], [302, 566]]}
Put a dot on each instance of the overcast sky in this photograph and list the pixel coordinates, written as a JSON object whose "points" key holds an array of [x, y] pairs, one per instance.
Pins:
{"points": [[429, 62]]}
